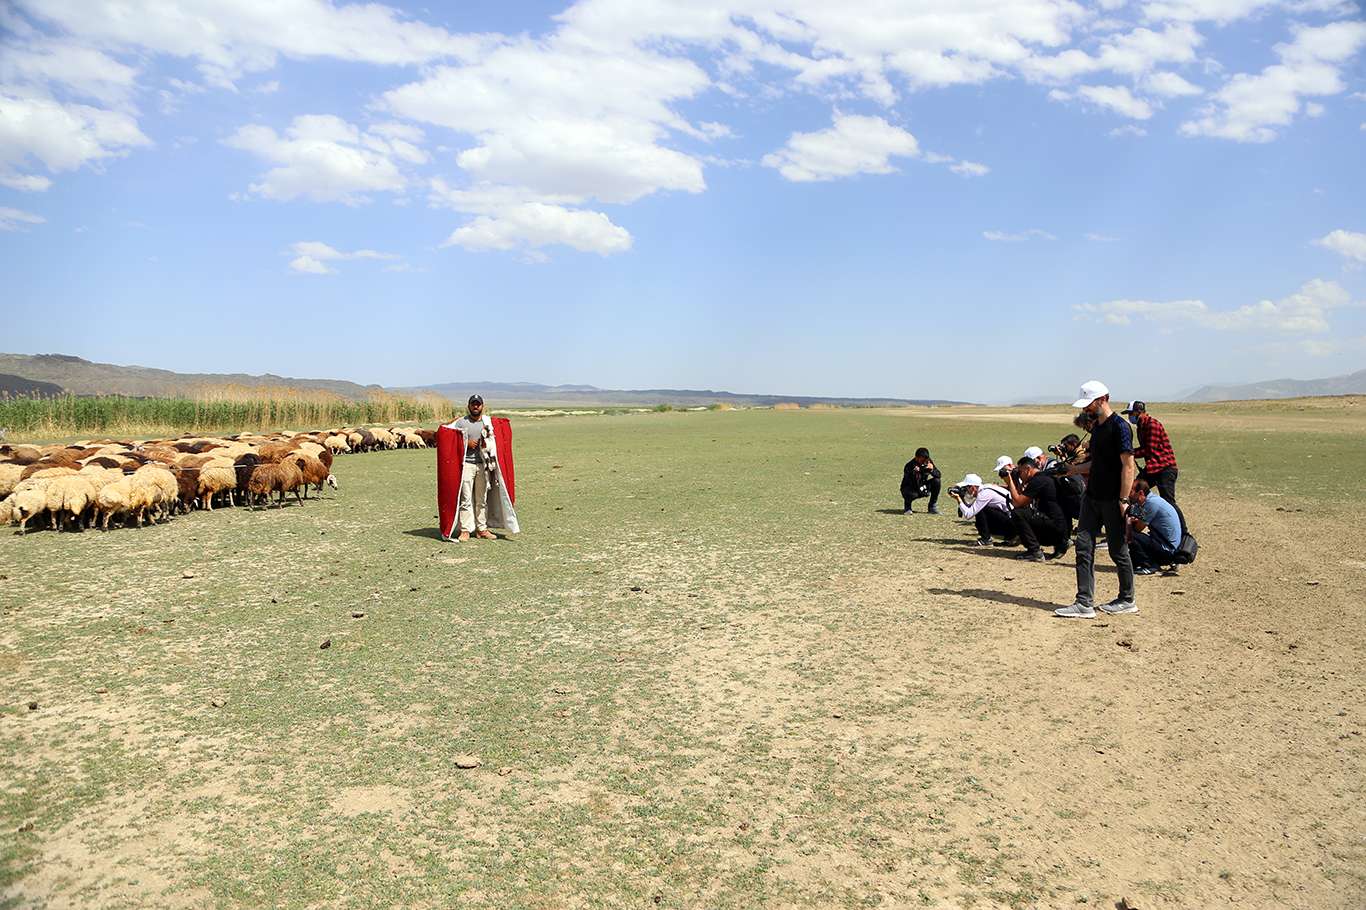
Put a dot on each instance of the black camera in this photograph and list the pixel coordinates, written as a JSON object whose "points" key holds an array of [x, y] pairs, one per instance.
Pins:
{"points": [[1056, 450]]}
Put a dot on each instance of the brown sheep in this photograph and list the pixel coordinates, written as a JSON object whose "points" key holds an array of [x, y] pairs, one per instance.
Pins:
{"points": [[281, 478], [314, 472]]}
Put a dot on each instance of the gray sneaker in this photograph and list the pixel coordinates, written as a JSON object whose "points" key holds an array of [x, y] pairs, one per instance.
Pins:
{"points": [[1118, 607], [1076, 611]]}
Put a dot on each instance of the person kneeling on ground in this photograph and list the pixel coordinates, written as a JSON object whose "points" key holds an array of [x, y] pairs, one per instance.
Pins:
{"points": [[987, 505], [920, 478], [1037, 515], [1154, 528]]}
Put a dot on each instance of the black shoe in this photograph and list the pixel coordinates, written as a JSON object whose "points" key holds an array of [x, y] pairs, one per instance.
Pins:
{"points": [[933, 510], [1145, 571], [982, 542], [1031, 556], [1011, 542], [1059, 552]]}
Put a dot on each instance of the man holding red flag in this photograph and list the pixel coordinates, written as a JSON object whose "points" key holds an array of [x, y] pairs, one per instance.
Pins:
{"points": [[474, 460]]}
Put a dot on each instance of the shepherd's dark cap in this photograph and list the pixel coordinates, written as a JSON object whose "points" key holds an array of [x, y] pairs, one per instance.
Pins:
{"points": [[476, 399], [1135, 407]]}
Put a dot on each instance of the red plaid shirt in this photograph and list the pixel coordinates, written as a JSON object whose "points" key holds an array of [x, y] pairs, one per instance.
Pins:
{"points": [[1153, 446]]}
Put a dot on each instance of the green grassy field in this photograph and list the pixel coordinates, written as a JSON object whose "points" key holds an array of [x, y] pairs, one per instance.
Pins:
{"points": [[718, 669]]}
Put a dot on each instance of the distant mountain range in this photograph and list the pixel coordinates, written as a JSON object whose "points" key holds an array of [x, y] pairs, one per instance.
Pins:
{"points": [[1350, 384], [62, 372], [530, 394], [51, 374]]}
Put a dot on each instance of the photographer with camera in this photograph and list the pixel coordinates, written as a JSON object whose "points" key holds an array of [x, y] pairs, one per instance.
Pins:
{"points": [[987, 505], [1111, 471], [920, 478], [1070, 488], [1038, 517], [1154, 528]]}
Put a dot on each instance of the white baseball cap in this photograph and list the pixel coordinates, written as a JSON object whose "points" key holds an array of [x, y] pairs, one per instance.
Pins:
{"points": [[1090, 391], [970, 480], [1033, 452], [1004, 461]]}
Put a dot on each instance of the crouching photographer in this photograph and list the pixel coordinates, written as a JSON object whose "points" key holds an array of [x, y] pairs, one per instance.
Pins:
{"points": [[1038, 517], [1154, 529], [920, 478], [987, 505]]}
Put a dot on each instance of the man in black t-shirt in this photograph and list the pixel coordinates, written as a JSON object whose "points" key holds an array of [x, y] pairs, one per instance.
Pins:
{"points": [[1110, 472], [1038, 516]]}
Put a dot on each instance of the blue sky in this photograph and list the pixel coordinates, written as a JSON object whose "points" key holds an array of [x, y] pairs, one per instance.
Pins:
{"points": [[970, 200]]}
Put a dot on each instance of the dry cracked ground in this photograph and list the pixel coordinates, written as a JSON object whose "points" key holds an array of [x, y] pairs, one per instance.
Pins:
{"points": [[718, 669]]}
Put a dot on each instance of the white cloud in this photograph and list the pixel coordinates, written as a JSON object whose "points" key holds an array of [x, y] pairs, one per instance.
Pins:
{"points": [[1304, 312], [1169, 85], [1128, 129], [1218, 11], [312, 256], [267, 88], [325, 159], [84, 71], [1132, 53], [27, 183], [1100, 238], [1019, 236], [1117, 98], [228, 38], [1249, 107], [536, 225], [970, 169], [61, 136], [17, 219], [853, 145], [310, 266], [1349, 244]]}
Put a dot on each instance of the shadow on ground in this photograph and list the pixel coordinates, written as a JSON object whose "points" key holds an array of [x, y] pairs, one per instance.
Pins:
{"points": [[1000, 597]]}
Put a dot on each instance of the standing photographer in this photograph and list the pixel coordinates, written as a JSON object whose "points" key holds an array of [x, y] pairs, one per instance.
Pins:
{"points": [[1037, 515], [918, 479], [1110, 470], [1159, 460], [1070, 488]]}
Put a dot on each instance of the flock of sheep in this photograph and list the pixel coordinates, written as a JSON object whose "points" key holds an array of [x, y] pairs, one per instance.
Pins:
{"points": [[93, 483]]}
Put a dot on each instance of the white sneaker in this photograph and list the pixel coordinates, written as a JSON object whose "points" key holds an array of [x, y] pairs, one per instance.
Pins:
{"points": [[1117, 607], [1076, 611]]}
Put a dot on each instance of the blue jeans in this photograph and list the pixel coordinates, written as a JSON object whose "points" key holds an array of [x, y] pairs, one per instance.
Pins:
{"points": [[1095, 514]]}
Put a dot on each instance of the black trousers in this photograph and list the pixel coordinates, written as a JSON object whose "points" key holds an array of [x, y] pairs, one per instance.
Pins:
{"points": [[1107, 514], [1148, 552], [930, 489], [994, 523], [1035, 530], [1165, 481]]}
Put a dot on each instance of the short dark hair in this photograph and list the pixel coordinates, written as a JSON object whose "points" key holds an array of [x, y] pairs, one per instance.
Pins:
{"points": [[922, 452], [1142, 486], [1071, 439], [1027, 462]]}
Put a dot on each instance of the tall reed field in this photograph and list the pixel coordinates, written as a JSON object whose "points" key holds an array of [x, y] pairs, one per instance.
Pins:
{"points": [[210, 409]]}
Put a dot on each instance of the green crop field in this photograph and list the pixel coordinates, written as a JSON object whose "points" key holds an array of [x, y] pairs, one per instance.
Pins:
{"points": [[717, 669]]}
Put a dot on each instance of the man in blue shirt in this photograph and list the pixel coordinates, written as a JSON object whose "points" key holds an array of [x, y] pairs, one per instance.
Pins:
{"points": [[1154, 529]]}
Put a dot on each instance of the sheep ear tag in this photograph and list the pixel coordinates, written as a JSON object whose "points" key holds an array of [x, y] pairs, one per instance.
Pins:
{"points": [[450, 461]]}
